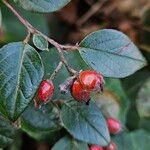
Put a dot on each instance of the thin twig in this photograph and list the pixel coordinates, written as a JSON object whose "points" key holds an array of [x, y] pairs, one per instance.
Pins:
{"points": [[26, 40], [58, 68], [33, 30], [95, 8]]}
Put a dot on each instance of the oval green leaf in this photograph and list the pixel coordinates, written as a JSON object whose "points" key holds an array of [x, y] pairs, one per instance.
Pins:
{"points": [[7, 132], [112, 53], [85, 123], [40, 42], [21, 72], [44, 119], [44, 6], [69, 143]]}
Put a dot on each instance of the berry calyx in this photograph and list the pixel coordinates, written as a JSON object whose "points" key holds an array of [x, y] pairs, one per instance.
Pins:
{"points": [[79, 93], [114, 126], [46, 90], [111, 146], [91, 80], [95, 147]]}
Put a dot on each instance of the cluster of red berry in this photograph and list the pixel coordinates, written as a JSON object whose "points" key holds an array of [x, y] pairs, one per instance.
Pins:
{"points": [[88, 81], [114, 127]]}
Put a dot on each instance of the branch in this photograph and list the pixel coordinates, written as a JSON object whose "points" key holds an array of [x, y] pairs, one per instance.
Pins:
{"points": [[32, 30], [56, 70], [94, 9]]}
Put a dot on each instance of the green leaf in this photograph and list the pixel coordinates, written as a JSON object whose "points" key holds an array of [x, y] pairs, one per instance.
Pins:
{"points": [[44, 119], [21, 72], [7, 132], [143, 100], [133, 84], [69, 143], [40, 42], [111, 53], [44, 6], [85, 123], [137, 140], [113, 102]]}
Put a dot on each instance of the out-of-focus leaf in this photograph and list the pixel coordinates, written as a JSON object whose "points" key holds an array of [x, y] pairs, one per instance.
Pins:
{"points": [[133, 83], [69, 143], [13, 30], [143, 100], [113, 102], [137, 140]]}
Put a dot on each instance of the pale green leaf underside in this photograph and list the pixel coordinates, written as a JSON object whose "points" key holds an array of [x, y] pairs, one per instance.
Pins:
{"points": [[112, 53], [43, 6], [40, 42], [21, 71], [85, 123], [69, 143]]}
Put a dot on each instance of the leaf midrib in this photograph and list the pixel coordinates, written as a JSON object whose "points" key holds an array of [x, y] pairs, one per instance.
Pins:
{"points": [[85, 120], [18, 78], [115, 54]]}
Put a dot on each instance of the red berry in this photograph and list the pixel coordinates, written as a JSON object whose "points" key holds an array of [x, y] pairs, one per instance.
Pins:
{"points": [[91, 80], [79, 93], [95, 147], [114, 125], [46, 90], [111, 146]]}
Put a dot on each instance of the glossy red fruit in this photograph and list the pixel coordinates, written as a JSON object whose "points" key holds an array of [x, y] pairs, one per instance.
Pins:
{"points": [[111, 146], [95, 147], [114, 126], [79, 93], [46, 90], [91, 80]]}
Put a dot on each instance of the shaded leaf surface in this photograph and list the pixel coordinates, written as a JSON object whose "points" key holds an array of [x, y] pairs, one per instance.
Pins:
{"points": [[21, 71], [7, 132], [44, 119], [68, 143]]}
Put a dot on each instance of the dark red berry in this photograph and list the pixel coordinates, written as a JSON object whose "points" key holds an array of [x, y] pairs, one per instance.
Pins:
{"points": [[111, 146], [91, 80], [95, 147], [46, 90], [79, 93], [114, 125]]}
